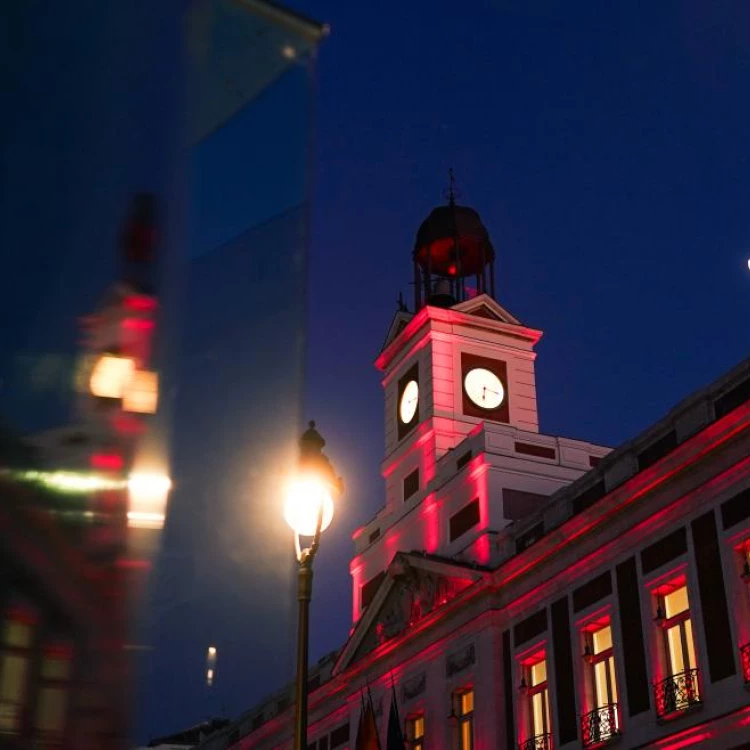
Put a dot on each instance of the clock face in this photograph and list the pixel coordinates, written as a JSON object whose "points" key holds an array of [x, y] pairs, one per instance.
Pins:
{"points": [[484, 388], [407, 408]]}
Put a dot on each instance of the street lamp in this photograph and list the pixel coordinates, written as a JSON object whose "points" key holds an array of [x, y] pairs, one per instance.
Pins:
{"points": [[308, 510]]}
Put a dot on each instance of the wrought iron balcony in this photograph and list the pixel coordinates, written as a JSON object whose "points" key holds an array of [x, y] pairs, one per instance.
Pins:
{"points": [[538, 742], [600, 725], [677, 693], [745, 659]]}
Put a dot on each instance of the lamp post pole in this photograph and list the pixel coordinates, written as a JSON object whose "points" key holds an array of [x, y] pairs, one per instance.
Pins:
{"points": [[320, 484], [304, 594]]}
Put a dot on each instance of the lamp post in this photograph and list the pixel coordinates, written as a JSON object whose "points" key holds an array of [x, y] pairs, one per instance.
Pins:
{"points": [[309, 511]]}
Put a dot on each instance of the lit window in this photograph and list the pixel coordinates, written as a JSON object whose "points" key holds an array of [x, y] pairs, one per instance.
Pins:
{"points": [[110, 376], [538, 696], [680, 689], [17, 636], [602, 723], [53, 692], [141, 393], [465, 706], [415, 732]]}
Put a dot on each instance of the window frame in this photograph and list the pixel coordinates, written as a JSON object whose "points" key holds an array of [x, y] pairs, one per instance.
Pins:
{"points": [[464, 718], [414, 742], [26, 616], [526, 661]]}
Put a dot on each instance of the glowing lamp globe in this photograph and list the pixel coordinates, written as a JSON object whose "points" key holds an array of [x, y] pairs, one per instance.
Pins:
{"points": [[306, 496]]}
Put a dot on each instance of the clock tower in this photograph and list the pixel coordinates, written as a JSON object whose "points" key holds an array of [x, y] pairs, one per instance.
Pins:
{"points": [[460, 359], [463, 454]]}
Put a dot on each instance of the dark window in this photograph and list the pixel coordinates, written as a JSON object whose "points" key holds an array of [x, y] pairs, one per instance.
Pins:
{"points": [[534, 534], [323, 743], [411, 484], [592, 591], [283, 703], [719, 643], [631, 627], [375, 535], [530, 627], [312, 746], [371, 587], [463, 460], [234, 736], [736, 509], [658, 449], [258, 721], [518, 504], [666, 549], [594, 461], [588, 497], [508, 690], [567, 720], [340, 735], [542, 451], [732, 399], [313, 683], [462, 521]]}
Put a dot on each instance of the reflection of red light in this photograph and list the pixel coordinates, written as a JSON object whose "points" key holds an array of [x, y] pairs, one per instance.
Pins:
{"points": [[452, 269], [140, 302], [111, 461], [137, 324]]}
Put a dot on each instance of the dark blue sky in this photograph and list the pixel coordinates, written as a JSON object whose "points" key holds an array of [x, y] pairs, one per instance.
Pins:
{"points": [[605, 146]]}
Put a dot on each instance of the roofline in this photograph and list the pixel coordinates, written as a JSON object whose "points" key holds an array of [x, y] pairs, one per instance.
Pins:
{"points": [[283, 16]]}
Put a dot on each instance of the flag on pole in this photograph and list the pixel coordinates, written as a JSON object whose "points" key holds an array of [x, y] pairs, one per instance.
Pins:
{"points": [[395, 737], [367, 730]]}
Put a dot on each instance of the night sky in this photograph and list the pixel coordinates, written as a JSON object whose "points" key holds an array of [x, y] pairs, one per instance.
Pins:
{"points": [[605, 146]]}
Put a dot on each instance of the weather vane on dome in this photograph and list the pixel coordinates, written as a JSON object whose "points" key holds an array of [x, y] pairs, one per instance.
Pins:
{"points": [[451, 193]]}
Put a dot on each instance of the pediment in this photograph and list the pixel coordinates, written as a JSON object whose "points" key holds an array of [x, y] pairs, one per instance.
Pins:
{"points": [[415, 586], [484, 306], [400, 321]]}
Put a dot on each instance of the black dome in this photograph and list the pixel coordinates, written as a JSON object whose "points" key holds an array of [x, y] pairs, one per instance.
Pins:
{"points": [[452, 241]]}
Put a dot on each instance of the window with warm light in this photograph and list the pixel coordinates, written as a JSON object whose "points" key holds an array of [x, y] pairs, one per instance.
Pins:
{"points": [[14, 669], [680, 689], [415, 732], [53, 693], [601, 723], [465, 711], [538, 697]]}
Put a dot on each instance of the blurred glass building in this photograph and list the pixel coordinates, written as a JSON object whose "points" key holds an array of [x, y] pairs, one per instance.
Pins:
{"points": [[207, 106]]}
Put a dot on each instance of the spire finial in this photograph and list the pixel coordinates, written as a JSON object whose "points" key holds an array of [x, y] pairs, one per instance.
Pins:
{"points": [[451, 193]]}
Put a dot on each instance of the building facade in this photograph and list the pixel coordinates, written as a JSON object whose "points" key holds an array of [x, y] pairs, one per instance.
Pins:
{"points": [[524, 590]]}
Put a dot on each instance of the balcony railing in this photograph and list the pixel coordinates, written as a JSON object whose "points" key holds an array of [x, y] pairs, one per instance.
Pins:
{"points": [[676, 693], [539, 742], [599, 725], [745, 659]]}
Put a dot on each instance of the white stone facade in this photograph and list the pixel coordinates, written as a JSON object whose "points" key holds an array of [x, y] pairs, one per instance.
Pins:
{"points": [[568, 538]]}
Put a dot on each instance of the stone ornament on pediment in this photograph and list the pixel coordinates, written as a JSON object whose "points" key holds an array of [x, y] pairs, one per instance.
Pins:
{"points": [[460, 660], [415, 594], [413, 687]]}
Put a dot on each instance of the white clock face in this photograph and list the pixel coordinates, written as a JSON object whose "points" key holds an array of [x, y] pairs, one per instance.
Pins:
{"points": [[484, 388], [409, 400]]}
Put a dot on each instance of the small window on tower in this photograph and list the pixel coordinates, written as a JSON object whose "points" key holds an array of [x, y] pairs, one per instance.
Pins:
{"points": [[465, 519], [411, 484]]}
